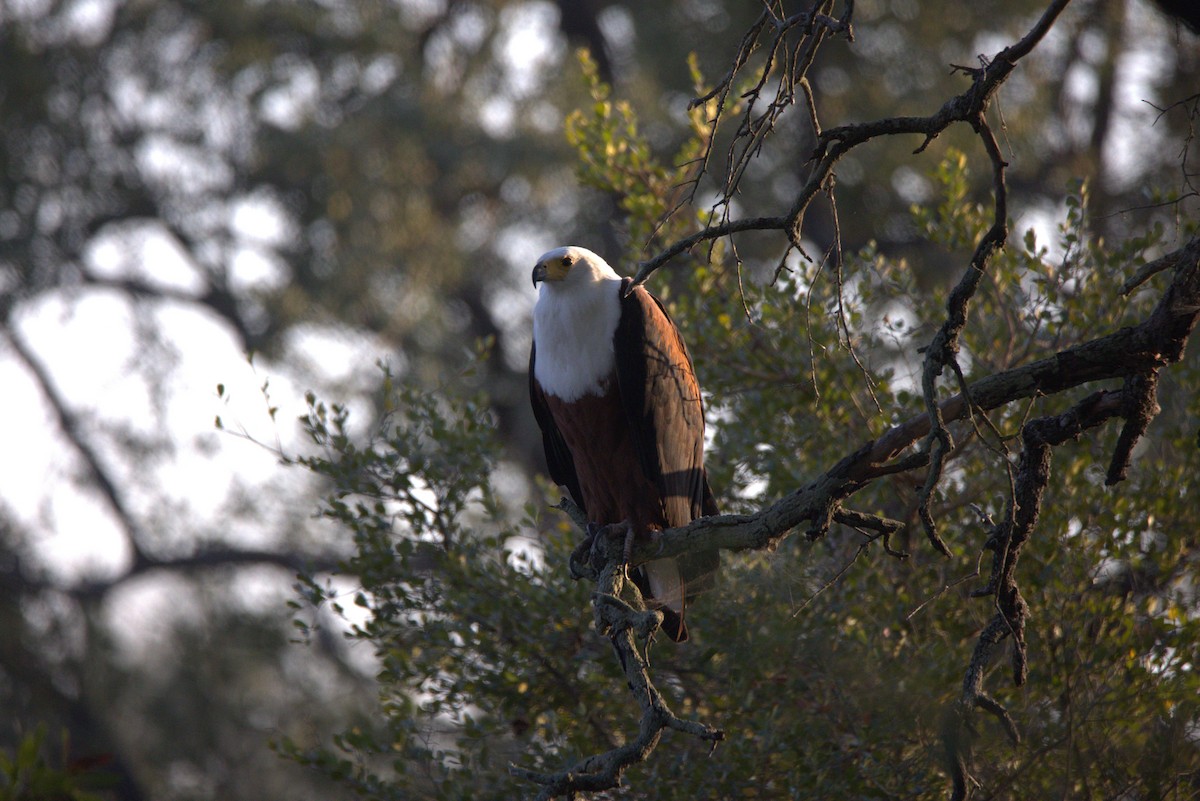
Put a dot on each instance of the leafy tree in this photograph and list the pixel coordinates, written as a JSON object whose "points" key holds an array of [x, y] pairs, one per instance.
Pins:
{"points": [[328, 184], [924, 432]]}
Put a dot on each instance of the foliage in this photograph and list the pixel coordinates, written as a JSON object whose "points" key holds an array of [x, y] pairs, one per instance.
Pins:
{"points": [[29, 775], [324, 183], [472, 674], [828, 663]]}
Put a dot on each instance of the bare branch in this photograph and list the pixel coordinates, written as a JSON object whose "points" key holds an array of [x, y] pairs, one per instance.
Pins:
{"points": [[1140, 407], [73, 429], [1033, 476], [943, 350], [833, 143]]}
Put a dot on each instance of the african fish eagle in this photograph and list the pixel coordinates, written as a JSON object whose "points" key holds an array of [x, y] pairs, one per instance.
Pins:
{"points": [[617, 400]]}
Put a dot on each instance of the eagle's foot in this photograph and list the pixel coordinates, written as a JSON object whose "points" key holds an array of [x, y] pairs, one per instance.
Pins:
{"points": [[603, 538], [582, 562], [627, 551]]}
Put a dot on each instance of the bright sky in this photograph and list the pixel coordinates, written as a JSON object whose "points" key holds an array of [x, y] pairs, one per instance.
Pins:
{"points": [[147, 372]]}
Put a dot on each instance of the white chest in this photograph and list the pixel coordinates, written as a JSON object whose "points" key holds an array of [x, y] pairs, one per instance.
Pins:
{"points": [[573, 332]]}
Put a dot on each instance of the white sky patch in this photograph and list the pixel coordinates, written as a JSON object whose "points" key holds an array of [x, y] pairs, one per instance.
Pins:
{"points": [[83, 537], [184, 168], [521, 246], [145, 252], [24, 479], [616, 23], [192, 387], [252, 269], [512, 304], [338, 354], [1045, 222], [294, 99], [1134, 139], [380, 72], [1082, 86], [911, 185], [61, 330], [145, 614], [514, 307], [528, 46], [497, 117], [259, 218]]}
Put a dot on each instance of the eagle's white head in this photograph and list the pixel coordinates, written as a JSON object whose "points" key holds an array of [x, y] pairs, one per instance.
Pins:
{"points": [[574, 320], [571, 266]]}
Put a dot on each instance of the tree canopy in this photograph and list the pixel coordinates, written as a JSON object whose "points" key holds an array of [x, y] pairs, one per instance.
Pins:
{"points": [[937, 268]]}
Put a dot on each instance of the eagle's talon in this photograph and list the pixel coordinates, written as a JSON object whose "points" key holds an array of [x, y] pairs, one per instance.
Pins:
{"points": [[581, 561], [627, 553], [599, 542]]}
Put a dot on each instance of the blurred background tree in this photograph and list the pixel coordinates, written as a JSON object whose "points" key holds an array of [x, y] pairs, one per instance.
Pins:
{"points": [[328, 185]]}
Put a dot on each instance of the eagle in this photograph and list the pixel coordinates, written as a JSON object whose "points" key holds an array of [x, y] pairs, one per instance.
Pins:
{"points": [[615, 395]]}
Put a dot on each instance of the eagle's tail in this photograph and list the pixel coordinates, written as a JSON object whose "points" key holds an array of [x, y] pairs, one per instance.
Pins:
{"points": [[665, 585]]}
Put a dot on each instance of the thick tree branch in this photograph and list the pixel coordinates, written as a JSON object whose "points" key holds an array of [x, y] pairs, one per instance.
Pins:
{"points": [[1141, 406], [1033, 477], [1156, 342]]}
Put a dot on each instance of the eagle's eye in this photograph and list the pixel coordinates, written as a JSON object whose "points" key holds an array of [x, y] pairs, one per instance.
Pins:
{"points": [[566, 261]]}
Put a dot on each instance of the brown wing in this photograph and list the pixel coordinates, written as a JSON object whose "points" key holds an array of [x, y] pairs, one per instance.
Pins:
{"points": [[662, 402]]}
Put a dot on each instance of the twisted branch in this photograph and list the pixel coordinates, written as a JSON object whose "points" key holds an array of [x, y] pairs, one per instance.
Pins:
{"points": [[625, 626]]}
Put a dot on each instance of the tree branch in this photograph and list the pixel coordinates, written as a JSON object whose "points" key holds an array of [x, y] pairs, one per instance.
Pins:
{"points": [[624, 625], [970, 106], [1033, 476], [943, 350], [1156, 342], [72, 429]]}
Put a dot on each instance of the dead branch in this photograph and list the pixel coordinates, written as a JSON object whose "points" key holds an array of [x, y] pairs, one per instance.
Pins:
{"points": [[1033, 477], [970, 106]]}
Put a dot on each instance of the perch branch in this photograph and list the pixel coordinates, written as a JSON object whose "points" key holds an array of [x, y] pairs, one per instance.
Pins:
{"points": [[1156, 342]]}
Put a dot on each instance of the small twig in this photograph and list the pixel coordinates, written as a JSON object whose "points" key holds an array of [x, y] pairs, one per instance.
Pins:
{"points": [[834, 580], [946, 588]]}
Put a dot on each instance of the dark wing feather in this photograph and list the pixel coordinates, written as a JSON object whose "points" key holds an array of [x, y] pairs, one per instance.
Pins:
{"points": [[558, 455], [662, 402]]}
